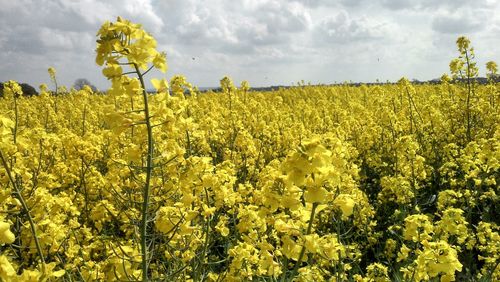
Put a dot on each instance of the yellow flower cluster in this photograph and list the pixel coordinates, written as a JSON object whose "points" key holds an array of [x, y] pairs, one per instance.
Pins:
{"points": [[126, 39], [309, 183], [436, 259]]}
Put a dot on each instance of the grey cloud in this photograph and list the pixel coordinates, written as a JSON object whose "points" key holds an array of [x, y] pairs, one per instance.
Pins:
{"points": [[455, 25], [38, 27], [400, 4], [430, 5], [23, 40], [37, 34], [68, 41], [228, 28], [460, 22], [325, 3], [274, 24], [285, 17], [342, 29], [352, 3], [51, 14]]}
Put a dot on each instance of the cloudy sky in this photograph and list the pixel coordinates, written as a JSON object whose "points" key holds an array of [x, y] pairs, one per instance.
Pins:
{"points": [[267, 42]]}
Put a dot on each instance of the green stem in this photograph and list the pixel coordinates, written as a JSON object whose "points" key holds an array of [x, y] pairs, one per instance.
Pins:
{"points": [[303, 250], [147, 185], [207, 239], [468, 132], [26, 210], [16, 113], [83, 119]]}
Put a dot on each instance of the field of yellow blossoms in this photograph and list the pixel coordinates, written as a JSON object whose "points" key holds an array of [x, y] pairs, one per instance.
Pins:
{"points": [[394, 182]]}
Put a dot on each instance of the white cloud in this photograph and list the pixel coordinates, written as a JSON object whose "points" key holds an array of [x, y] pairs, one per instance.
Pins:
{"points": [[342, 28], [261, 23], [68, 41], [432, 5]]}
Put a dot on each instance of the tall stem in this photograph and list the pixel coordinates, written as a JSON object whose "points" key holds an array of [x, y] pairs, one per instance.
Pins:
{"points": [[303, 250], [16, 122], [26, 210], [147, 185], [83, 119], [411, 110], [467, 110]]}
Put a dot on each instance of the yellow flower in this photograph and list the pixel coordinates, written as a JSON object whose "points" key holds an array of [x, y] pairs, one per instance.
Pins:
{"points": [[6, 236], [52, 72], [492, 67], [390, 247], [417, 228], [396, 189], [7, 271], [168, 218], [112, 71], [160, 62], [312, 242], [11, 89], [6, 126], [435, 259], [245, 85], [290, 248], [226, 84], [463, 43], [346, 204], [453, 223], [377, 272], [160, 85], [316, 195], [403, 253], [125, 40]]}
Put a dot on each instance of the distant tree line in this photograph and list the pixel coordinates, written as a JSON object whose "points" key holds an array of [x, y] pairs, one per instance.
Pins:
{"points": [[29, 90], [81, 82]]}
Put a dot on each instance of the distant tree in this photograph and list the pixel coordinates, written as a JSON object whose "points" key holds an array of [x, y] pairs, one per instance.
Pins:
{"points": [[79, 83], [28, 90]]}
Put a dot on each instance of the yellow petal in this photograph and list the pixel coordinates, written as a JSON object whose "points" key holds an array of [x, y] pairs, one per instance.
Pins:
{"points": [[6, 236], [58, 273], [315, 195], [159, 85], [6, 269], [345, 203]]}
